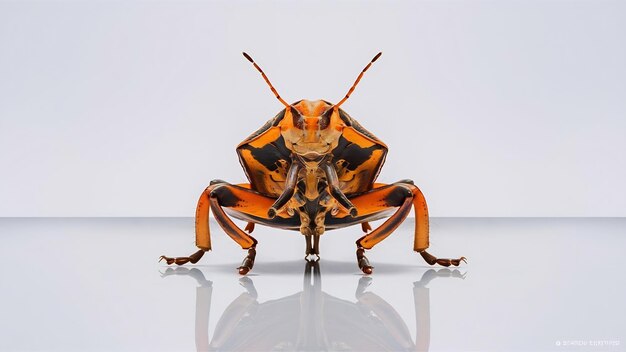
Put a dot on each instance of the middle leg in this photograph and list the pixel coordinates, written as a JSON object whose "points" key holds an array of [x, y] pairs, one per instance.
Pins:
{"points": [[241, 200], [402, 195], [380, 199]]}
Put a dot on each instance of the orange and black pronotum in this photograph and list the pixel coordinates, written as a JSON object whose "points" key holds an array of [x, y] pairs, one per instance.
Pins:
{"points": [[311, 168]]}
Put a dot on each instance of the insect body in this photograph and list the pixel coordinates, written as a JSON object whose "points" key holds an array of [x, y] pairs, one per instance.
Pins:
{"points": [[311, 168]]}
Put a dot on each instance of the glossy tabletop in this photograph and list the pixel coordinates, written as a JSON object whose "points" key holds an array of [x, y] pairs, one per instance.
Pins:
{"points": [[95, 284]]}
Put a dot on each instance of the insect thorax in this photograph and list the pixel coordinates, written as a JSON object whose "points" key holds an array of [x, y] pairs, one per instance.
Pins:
{"points": [[311, 200]]}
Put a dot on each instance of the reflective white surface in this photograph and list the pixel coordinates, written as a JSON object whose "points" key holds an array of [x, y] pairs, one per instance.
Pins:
{"points": [[95, 284]]}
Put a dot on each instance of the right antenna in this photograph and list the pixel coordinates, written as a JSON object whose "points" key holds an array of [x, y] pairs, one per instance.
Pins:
{"points": [[249, 58], [357, 80]]}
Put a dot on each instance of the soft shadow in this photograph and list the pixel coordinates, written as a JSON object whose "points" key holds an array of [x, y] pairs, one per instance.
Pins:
{"points": [[330, 267], [312, 319]]}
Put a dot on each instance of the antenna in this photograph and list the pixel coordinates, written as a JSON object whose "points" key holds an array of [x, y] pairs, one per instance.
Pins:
{"points": [[357, 80], [267, 80]]}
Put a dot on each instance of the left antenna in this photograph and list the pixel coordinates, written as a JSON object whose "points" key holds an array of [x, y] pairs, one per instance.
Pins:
{"points": [[266, 79], [358, 79]]}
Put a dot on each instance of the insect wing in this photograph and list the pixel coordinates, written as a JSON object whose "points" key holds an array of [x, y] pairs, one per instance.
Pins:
{"points": [[265, 159], [358, 157]]}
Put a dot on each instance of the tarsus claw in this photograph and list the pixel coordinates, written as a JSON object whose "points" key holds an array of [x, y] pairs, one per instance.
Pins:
{"points": [[432, 260], [457, 262], [168, 260]]}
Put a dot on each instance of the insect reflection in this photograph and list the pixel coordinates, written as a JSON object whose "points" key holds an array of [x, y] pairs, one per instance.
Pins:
{"points": [[312, 319]]}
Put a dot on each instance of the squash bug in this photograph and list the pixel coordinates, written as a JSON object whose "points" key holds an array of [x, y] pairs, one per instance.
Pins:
{"points": [[311, 168]]}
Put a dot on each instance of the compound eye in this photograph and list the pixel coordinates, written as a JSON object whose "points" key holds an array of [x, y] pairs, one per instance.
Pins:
{"points": [[325, 118], [298, 120]]}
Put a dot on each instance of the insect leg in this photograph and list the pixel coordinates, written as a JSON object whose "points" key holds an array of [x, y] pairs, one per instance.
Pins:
{"points": [[290, 186], [379, 234], [220, 194], [221, 198], [432, 260], [194, 258], [309, 245], [421, 239], [248, 262], [403, 195], [243, 203], [363, 262], [380, 199], [316, 245], [383, 231], [203, 235], [333, 185]]}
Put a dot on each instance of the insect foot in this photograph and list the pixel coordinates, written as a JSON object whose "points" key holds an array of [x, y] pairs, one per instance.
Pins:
{"points": [[312, 257], [364, 263], [432, 260], [194, 258], [248, 262]]}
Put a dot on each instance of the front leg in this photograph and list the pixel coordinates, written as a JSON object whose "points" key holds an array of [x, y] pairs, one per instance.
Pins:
{"points": [[335, 191], [290, 186]]}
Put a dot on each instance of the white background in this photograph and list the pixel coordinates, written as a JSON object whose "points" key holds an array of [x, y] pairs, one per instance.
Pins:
{"points": [[494, 108]]}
